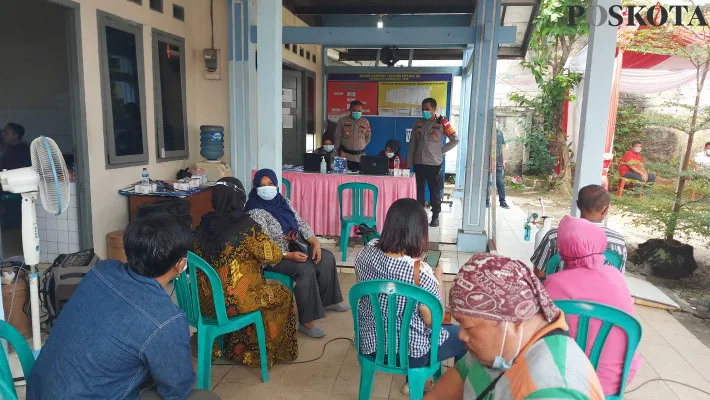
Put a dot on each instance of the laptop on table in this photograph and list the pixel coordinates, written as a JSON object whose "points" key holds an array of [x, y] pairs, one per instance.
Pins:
{"points": [[311, 162], [370, 165]]}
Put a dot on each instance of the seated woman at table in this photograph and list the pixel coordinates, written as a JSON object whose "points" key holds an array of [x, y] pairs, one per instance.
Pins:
{"points": [[392, 151], [317, 287], [581, 246], [328, 148], [236, 247], [404, 239]]}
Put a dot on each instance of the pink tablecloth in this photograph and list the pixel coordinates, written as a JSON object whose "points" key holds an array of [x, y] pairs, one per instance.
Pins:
{"points": [[315, 196]]}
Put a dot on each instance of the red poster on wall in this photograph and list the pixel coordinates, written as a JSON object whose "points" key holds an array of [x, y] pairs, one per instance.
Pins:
{"points": [[340, 94]]}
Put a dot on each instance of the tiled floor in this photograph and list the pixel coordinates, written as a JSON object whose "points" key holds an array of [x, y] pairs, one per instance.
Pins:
{"points": [[668, 350]]}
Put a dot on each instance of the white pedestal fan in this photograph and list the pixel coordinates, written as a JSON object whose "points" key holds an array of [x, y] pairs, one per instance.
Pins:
{"points": [[47, 177]]}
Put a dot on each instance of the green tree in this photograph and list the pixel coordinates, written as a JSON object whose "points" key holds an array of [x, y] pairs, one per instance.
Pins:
{"points": [[551, 44], [690, 43]]}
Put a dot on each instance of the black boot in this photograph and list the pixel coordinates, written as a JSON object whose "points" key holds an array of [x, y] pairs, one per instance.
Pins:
{"points": [[434, 220]]}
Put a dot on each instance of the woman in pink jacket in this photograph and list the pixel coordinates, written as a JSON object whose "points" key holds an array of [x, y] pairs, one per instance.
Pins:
{"points": [[581, 246]]}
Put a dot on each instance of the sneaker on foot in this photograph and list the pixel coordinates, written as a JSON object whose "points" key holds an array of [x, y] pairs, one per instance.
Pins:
{"points": [[434, 222], [340, 307], [314, 332], [504, 205]]}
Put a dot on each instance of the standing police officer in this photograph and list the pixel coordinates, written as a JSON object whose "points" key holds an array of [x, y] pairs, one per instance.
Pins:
{"points": [[425, 153], [352, 135]]}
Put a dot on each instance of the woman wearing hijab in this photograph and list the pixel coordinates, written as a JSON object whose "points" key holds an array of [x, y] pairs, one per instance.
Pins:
{"points": [[517, 339], [581, 246], [317, 287], [236, 247], [391, 151]]}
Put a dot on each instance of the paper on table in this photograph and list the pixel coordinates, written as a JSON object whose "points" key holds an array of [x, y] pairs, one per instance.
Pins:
{"points": [[288, 121]]}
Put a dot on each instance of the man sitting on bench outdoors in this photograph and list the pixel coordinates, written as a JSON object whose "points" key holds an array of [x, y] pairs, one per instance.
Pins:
{"points": [[631, 165], [121, 336], [593, 203]]}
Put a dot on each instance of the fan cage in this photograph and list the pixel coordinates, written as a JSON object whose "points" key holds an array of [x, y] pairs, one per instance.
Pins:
{"points": [[48, 164]]}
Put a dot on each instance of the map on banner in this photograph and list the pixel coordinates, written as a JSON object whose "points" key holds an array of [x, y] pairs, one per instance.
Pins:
{"points": [[403, 95]]}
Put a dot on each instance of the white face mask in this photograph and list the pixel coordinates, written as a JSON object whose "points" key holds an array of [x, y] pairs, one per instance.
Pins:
{"points": [[328, 148], [499, 362], [707, 152], [637, 149], [389, 155], [267, 192]]}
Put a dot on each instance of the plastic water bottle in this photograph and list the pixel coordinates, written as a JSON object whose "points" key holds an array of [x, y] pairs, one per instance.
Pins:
{"points": [[396, 167], [323, 166], [145, 180]]}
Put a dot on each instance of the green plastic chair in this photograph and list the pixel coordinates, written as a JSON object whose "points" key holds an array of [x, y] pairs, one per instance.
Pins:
{"points": [[610, 317], [284, 279], [210, 329], [357, 216], [27, 360], [287, 184], [395, 363], [611, 256]]}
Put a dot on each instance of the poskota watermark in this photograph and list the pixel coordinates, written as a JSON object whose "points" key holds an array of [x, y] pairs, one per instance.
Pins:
{"points": [[616, 15]]}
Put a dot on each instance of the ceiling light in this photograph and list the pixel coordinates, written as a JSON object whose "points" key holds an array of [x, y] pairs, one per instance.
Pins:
{"points": [[380, 23]]}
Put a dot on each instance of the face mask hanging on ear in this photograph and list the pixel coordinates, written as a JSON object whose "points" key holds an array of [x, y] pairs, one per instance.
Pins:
{"points": [[499, 362]]}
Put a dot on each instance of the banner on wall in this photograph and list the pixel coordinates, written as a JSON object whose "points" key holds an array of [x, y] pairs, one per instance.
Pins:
{"points": [[390, 94]]}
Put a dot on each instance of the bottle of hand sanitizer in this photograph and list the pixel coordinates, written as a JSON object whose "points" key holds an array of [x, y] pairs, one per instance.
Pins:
{"points": [[323, 166]]}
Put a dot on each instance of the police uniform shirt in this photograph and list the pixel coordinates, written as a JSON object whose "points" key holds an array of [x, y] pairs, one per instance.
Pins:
{"points": [[425, 143], [353, 135]]}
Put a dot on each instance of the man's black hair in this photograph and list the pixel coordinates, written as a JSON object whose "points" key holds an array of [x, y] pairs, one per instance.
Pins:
{"points": [[707, 144], [429, 100], [635, 142], [405, 229], [355, 103], [155, 243], [17, 128], [593, 198]]}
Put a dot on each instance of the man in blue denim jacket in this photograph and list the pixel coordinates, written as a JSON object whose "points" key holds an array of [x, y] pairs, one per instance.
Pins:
{"points": [[121, 336]]}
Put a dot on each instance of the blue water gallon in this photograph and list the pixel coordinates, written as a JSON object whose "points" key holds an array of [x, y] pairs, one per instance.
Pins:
{"points": [[211, 142]]}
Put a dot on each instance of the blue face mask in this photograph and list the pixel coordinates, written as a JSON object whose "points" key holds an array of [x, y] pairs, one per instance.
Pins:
{"points": [[267, 192], [356, 114], [426, 114], [329, 148], [499, 363]]}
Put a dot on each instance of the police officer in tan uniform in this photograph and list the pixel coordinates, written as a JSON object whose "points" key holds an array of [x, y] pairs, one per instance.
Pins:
{"points": [[352, 135], [425, 153]]}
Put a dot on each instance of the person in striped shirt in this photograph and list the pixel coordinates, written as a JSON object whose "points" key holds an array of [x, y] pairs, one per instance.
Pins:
{"points": [[517, 339], [593, 203]]}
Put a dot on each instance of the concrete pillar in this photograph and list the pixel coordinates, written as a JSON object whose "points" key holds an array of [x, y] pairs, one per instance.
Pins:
{"points": [[598, 77], [242, 68], [473, 237], [269, 81], [464, 113]]}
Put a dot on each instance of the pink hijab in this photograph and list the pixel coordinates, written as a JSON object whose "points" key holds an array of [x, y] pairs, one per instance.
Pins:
{"points": [[581, 243]]}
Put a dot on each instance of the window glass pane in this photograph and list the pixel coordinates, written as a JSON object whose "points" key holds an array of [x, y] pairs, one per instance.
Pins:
{"points": [[169, 56], [310, 105], [125, 92]]}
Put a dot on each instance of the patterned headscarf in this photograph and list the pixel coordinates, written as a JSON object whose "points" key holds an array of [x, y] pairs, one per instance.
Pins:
{"points": [[498, 288]]}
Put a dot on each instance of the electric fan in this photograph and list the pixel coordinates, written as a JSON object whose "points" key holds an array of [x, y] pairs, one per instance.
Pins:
{"points": [[48, 177]]}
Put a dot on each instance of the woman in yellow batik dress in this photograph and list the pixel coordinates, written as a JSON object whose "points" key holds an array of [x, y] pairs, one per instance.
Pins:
{"points": [[236, 247]]}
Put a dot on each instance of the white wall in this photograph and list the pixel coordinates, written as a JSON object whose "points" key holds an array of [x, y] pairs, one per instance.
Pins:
{"points": [[207, 101], [34, 75]]}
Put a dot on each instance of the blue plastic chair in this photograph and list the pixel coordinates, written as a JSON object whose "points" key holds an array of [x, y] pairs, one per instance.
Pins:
{"points": [[357, 215], [210, 329], [27, 360], [284, 279], [287, 184], [610, 318], [387, 345], [611, 256]]}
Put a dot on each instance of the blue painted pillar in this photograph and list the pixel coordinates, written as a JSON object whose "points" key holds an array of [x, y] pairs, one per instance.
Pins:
{"points": [[473, 237], [242, 70], [598, 78], [464, 114], [269, 81]]}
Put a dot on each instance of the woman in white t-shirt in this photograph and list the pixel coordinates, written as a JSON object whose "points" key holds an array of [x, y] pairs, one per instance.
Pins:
{"points": [[702, 159]]}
